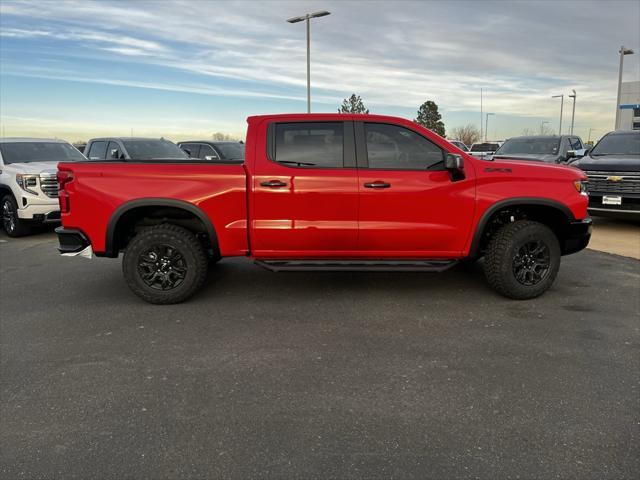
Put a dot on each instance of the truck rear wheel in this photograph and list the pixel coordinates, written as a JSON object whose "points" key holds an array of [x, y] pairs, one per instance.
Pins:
{"points": [[10, 220], [165, 264], [522, 260]]}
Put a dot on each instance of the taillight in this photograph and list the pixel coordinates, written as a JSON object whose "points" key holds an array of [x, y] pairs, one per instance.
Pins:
{"points": [[64, 177]]}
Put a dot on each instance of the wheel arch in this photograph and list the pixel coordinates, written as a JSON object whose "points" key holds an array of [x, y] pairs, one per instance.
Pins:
{"points": [[127, 214], [552, 213]]}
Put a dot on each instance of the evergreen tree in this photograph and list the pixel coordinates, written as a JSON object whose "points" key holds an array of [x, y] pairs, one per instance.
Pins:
{"points": [[429, 117], [353, 105]]}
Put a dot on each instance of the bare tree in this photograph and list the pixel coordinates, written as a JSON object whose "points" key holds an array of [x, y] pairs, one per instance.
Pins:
{"points": [[222, 137], [468, 134], [543, 129]]}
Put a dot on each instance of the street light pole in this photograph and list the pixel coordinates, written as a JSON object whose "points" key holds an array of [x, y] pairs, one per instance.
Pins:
{"points": [[307, 17], [561, 97], [573, 113], [481, 114], [590, 130], [623, 51], [486, 126]]}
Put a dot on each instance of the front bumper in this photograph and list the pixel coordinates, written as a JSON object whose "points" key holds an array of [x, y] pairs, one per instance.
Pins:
{"points": [[578, 236], [629, 207], [39, 212], [73, 242]]}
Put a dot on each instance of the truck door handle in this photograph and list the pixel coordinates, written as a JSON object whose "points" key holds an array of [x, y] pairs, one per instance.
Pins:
{"points": [[273, 184], [377, 185]]}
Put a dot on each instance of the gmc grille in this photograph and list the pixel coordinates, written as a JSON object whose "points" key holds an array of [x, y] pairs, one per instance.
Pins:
{"points": [[49, 184], [614, 182]]}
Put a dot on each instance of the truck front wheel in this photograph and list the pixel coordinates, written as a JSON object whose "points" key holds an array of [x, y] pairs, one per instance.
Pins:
{"points": [[165, 264], [13, 225], [522, 260]]}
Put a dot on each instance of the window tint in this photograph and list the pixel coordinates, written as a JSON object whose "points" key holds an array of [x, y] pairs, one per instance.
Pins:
{"points": [[26, 152], [576, 144], [98, 150], [113, 151], [319, 145], [207, 151], [151, 149], [193, 148], [231, 151], [397, 148]]}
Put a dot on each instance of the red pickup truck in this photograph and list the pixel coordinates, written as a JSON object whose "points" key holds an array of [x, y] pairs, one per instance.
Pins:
{"points": [[326, 192]]}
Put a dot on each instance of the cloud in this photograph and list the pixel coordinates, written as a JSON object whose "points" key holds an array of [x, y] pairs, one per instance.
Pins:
{"points": [[394, 54]]}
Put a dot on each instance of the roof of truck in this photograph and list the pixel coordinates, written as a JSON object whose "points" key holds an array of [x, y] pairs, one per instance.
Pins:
{"points": [[31, 140], [127, 138]]}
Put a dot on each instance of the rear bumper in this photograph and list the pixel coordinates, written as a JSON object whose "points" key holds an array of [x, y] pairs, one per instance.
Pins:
{"points": [[578, 236], [71, 241]]}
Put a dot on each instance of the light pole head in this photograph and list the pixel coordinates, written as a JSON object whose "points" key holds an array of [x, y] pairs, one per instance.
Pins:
{"points": [[301, 18], [625, 51], [322, 13], [557, 96], [297, 19]]}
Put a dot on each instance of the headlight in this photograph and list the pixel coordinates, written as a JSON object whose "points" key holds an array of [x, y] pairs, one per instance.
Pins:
{"points": [[581, 186], [27, 182]]}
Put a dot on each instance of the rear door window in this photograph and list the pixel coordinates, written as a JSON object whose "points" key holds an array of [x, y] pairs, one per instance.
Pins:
{"points": [[193, 149], [310, 145], [98, 150], [208, 151]]}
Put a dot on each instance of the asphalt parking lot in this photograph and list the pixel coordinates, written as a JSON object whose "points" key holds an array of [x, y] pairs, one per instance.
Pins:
{"points": [[317, 375]]}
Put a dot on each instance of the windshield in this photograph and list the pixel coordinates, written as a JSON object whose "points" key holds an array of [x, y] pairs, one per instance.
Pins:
{"points": [[618, 144], [530, 146], [153, 149], [484, 147], [27, 152], [231, 151]]}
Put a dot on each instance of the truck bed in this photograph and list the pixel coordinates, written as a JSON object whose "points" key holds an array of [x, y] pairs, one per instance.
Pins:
{"points": [[109, 188]]}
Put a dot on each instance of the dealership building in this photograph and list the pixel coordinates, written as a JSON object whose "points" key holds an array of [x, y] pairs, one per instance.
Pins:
{"points": [[629, 106]]}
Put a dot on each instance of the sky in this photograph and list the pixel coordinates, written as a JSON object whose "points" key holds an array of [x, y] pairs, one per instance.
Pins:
{"points": [[186, 69]]}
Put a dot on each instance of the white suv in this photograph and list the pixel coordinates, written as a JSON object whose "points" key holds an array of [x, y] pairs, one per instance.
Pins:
{"points": [[28, 184]]}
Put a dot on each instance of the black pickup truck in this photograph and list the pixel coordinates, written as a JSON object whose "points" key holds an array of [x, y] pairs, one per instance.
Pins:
{"points": [[613, 168]]}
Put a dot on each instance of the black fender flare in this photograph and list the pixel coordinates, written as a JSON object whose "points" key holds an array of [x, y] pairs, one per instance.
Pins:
{"points": [[517, 201], [154, 202]]}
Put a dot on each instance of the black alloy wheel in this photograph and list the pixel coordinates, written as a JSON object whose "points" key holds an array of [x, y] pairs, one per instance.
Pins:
{"points": [[8, 216], [162, 267], [531, 263]]}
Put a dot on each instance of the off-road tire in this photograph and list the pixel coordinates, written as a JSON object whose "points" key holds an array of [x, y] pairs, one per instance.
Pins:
{"points": [[181, 239], [14, 227], [502, 251]]}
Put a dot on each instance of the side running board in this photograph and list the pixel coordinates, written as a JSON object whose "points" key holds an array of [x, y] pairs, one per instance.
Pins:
{"points": [[437, 265]]}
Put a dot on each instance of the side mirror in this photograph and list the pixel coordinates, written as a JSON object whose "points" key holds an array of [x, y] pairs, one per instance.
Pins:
{"points": [[453, 162], [114, 153], [211, 157], [187, 151], [455, 165]]}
